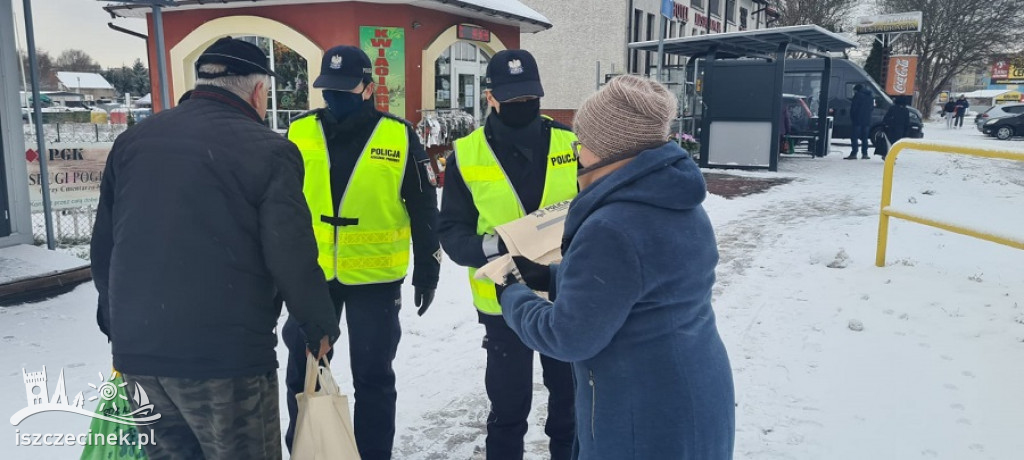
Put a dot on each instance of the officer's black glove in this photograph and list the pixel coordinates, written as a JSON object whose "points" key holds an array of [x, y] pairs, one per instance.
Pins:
{"points": [[534, 275], [423, 297]]}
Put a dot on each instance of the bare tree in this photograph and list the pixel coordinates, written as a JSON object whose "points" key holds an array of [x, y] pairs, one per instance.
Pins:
{"points": [[47, 72], [830, 14], [73, 60], [957, 35]]}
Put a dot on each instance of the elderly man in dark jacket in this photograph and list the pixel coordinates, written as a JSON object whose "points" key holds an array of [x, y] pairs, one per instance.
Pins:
{"points": [[861, 107], [201, 222]]}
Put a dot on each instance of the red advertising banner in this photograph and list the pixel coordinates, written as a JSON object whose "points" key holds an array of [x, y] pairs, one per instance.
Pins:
{"points": [[901, 75]]}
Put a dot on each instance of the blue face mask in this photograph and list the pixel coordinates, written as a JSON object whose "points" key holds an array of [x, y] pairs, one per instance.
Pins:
{"points": [[342, 104]]}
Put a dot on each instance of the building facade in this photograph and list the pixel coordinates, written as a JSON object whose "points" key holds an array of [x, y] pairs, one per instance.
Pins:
{"points": [[428, 54], [15, 220], [92, 86], [573, 64]]}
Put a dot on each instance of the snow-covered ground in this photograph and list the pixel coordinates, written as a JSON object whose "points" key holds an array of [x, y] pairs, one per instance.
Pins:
{"points": [[935, 369]]}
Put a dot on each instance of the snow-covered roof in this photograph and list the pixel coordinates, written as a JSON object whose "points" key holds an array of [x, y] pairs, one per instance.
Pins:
{"points": [[986, 93], [83, 80], [507, 12]]}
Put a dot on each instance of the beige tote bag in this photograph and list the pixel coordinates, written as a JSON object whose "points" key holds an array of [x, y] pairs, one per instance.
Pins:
{"points": [[323, 430]]}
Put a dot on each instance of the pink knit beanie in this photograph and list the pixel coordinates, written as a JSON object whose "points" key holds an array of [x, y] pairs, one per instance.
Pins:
{"points": [[628, 115]]}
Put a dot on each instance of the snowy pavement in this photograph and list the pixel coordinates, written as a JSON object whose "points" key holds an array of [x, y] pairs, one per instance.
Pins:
{"points": [[934, 368]]}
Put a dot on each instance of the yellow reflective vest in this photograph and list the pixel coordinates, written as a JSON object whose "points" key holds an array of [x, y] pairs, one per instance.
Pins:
{"points": [[367, 240], [498, 203]]}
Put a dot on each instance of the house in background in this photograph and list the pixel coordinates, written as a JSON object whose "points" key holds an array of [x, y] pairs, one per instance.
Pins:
{"points": [[92, 85]]}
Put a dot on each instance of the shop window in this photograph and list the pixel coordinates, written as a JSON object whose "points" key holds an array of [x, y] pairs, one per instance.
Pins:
{"points": [[730, 11], [649, 61], [459, 77], [743, 18], [288, 95]]}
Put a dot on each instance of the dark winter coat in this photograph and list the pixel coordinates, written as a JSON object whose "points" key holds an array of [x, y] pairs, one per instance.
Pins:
{"points": [[950, 107], [346, 141], [633, 315], [897, 123], [201, 221], [961, 106], [861, 107]]}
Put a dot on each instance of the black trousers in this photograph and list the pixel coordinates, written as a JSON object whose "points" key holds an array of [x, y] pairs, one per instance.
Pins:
{"points": [[509, 382], [958, 119], [371, 312]]}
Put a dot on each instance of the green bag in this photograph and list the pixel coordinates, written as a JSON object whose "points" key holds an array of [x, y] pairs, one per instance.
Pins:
{"points": [[113, 401]]}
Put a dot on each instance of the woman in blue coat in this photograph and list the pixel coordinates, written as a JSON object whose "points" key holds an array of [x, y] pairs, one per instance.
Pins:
{"points": [[632, 296]]}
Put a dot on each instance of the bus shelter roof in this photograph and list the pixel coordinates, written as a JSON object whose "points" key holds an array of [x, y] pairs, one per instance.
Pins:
{"points": [[810, 39]]}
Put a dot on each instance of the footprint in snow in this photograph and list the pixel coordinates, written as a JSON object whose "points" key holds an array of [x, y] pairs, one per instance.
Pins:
{"points": [[957, 406], [968, 374], [950, 386]]}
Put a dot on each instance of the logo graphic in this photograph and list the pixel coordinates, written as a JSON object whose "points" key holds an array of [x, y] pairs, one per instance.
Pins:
{"points": [[515, 67], [336, 62], [39, 401], [31, 155]]}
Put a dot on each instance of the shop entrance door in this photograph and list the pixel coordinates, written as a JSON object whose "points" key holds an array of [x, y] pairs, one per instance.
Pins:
{"points": [[469, 94], [460, 75], [5, 210]]}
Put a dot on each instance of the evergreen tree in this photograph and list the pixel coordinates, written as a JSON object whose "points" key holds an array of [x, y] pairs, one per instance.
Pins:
{"points": [[875, 61]]}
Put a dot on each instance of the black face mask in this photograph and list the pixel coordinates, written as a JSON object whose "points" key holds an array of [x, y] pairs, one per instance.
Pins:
{"points": [[519, 114]]}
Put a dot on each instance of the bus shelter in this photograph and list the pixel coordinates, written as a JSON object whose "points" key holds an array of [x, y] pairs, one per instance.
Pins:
{"points": [[741, 90]]}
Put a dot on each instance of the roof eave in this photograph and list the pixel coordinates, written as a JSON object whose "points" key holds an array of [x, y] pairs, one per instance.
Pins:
{"points": [[536, 25]]}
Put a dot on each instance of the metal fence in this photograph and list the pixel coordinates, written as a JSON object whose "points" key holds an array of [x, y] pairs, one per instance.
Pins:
{"points": [[74, 132]]}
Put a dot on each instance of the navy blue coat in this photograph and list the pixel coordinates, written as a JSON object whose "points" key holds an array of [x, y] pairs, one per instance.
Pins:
{"points": [[861, 107], [633, 315]]}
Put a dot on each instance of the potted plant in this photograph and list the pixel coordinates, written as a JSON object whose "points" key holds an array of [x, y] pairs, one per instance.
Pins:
{"points": [[687, 142]]}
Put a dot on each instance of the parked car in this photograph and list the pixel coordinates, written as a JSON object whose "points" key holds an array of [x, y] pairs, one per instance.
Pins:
{"points": [[803, 77], [998, 111], [1006, 127]]}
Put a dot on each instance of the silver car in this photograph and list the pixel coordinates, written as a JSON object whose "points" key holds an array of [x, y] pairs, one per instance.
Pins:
{"points": [[998, 111]]}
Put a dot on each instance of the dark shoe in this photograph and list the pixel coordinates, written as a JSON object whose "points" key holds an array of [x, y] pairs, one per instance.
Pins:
{"points": [[851, 157], [865, 157]]}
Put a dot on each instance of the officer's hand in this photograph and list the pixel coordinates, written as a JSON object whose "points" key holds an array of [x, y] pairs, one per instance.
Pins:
{"points": [[423, 297], [534, 275]]}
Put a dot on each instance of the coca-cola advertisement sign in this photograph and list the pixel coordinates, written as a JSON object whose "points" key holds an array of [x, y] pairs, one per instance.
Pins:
{"points": [[901, 75]]}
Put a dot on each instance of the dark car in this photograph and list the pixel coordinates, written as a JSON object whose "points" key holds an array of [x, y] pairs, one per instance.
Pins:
{"points": [[1005, 127], [803, 77]]}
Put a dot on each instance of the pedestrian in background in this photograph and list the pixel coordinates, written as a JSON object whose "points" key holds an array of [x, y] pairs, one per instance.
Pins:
{"points": [[896, 122], [861, 107], [200, 216], [632, 296], [961, 110], [370, 199], [948, 112]]}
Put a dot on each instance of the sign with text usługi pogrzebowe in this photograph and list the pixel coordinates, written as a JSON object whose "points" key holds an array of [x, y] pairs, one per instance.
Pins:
{"points": [[75, 173]]}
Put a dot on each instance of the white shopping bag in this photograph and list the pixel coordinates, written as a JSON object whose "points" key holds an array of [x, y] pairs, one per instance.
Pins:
{"points": [[324, 427]]}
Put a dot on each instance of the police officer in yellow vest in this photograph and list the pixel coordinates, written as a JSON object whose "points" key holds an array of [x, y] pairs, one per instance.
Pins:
{"points": [[369, 196], [513, 165]]}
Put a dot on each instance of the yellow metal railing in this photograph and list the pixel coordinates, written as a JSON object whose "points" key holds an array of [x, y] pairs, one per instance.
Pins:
{"points": [[886, 211]]}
